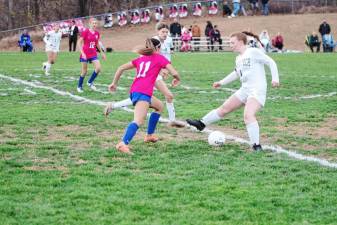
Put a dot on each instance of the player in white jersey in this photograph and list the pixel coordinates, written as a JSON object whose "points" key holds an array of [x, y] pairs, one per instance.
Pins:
{"points": [[165, 50], [52, 39], [253, 40], [252, 94]]}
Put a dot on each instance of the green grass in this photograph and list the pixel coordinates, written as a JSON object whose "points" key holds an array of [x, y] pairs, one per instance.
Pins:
{"points": [[58, 164]]}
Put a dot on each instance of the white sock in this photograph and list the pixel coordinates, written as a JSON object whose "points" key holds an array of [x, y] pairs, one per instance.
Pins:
{"points": [[253, 130], [211, 117], [171, 111], [123, 103], [48, 65]]}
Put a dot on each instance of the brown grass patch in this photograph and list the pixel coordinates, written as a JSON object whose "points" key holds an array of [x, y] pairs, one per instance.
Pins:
{"points": [[46, 168]]}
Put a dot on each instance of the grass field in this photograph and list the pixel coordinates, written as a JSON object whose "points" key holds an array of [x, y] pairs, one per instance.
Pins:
{"points": [[58, 164]]}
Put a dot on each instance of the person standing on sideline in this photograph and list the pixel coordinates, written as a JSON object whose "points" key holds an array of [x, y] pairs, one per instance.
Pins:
{"points": [[88, 43], [196, 34], [148, 67], [52, 39], [252, 94], [73, 33], [265, 7]]}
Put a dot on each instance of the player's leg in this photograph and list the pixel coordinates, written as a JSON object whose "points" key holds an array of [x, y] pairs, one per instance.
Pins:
{"points": [[97, 70], [158, 106], [141, 109], [253, 130], [162, 87], [84, 69], [231, 104], [115, 105]]}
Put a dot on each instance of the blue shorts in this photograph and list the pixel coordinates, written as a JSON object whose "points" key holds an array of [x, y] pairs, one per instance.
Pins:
{"points": [[88, 60], [137, 96]]}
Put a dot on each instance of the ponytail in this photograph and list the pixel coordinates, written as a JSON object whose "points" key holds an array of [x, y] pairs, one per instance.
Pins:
{"points": [[151, 46], [252, 35]]}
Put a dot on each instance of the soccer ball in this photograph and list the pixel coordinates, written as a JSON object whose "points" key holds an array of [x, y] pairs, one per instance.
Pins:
{"points": [[216, 138]]}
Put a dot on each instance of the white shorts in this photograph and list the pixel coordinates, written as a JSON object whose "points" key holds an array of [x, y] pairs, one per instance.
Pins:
{"points": [[51, 49], [243, 94]]}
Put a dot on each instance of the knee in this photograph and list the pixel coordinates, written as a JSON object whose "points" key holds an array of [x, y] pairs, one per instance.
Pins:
{"points": [[249, 117], [84, 73], [159, 109], [169, 97], [98, 70]]}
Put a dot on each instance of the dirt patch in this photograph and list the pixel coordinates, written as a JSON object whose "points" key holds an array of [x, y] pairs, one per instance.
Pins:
{"points": [[7, 133], [46, 168]]}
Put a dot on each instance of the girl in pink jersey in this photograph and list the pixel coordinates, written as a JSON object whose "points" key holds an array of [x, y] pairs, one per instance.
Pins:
{"points": [[88, 42], [148, 66]]}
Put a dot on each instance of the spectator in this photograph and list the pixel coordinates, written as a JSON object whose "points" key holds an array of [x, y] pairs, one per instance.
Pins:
{"points": [[216, 37], [328, 43], [265, 40], [196, 34], [226, 11], [278, 41], [25, 42], [236, 8], [186, 38], [73, 32], [254, 5], [208, 29], [265, 7], [324, 28], [313, 41], [175, 28]]}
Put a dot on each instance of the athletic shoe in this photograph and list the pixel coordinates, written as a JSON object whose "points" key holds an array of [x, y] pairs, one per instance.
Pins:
{"points": [[177, 124], [257, 148], [123, 148], [196, 123], [44, 66], [79, 90], [108, 109], [150, 138], [92, 86], [46, 73]]}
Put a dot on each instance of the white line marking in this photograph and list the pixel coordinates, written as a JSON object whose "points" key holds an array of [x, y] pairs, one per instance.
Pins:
{"points": [[273, 148], [29, 91]]}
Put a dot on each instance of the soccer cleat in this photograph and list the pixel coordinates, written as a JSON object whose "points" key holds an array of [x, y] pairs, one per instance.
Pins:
{"points": [[150, 138], [92, 86], [177, 124], [108, 109], [257, 147], [47, 73], [44, 66], [196, 123], [79, 90], [123, 148]]}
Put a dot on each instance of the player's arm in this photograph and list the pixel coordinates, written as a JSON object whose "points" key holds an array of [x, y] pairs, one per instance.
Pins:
{"points": [[272, 66], [80, 46], [228, 79], [46, 39], [175, 75], [118, 74], [101, 49]]}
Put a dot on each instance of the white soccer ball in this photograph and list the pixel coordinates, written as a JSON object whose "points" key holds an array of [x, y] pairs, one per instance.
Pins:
{"points": [[216, 138]]}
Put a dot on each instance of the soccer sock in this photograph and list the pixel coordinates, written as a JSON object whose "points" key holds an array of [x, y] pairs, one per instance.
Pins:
{"points": [[80, 82], [253, 130], [153, 120], [93, 77], [130, 132], [122, 103], [171, 111], [48, 65], [211, 117]]}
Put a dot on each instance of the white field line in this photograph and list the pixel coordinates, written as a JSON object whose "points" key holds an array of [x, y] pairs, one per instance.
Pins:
{"points": [[273, 148], [29, 91]]}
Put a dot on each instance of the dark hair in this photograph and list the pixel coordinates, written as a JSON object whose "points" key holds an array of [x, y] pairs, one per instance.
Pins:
{"points": [[151, 45], [241, 37], [252, 35], [162, 26]]}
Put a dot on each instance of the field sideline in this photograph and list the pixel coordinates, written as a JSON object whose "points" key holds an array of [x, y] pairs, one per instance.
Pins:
{"points": [[58, 164]]}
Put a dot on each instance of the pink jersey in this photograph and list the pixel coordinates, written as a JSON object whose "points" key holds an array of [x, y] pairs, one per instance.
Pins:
{"points": [[148, 68], [90, 42]]}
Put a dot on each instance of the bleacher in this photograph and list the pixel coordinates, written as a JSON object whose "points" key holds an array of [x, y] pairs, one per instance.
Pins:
{"points": [[202, 44]]}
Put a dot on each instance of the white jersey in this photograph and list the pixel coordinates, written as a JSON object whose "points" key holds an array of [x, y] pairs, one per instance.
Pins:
{"points": [[250, 69], [165, 48], [53, 40]]}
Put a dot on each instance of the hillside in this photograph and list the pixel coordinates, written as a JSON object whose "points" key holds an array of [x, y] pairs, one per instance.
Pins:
{"points": [[292, 27]]}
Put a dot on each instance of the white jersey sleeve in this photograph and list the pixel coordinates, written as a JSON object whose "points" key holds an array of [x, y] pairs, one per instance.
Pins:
{"points": [[229, 78], [265, 59]]}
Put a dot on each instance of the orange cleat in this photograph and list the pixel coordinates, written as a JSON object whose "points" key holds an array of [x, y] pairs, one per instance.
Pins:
{"points": [[123, 148], [150, 138]]}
